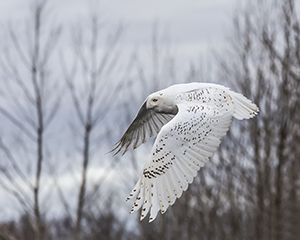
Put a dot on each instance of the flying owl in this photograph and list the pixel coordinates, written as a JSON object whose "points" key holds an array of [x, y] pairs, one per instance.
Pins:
{"points": [[188, 121]]}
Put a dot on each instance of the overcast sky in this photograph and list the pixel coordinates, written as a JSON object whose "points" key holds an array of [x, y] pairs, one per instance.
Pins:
{"points": [[194, 26]]}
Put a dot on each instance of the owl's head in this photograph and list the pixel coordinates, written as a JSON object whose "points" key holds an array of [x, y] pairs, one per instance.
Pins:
{"points": [[155, 101], [161, 102]]}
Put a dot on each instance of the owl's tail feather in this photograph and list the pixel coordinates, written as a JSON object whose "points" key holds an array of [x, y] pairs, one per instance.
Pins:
{"points": [[243, 107]]}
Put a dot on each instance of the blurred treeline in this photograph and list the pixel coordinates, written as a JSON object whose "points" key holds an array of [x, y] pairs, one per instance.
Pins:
{"points": [[249, 190]]}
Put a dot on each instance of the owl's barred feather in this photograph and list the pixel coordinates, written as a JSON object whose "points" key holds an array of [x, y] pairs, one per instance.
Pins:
{"points": [[189, 120]]}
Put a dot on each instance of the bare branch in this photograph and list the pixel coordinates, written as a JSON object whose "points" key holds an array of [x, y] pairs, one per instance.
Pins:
{"points": [[19, 124]]}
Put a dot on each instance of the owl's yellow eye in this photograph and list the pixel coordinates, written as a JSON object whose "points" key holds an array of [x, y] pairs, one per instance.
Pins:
{"points": [[154, 100]]}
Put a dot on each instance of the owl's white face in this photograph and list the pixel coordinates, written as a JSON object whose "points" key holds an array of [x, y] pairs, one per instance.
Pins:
{"points": [[162, 103], [155, 101]]}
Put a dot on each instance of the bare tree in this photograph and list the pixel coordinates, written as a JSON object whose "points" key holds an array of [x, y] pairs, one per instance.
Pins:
{"points": [[264, 65], [93, 92], [25, 65]]}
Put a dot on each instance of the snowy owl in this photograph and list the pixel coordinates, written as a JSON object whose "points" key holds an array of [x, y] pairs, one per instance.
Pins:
{"points": [[188, 121]]}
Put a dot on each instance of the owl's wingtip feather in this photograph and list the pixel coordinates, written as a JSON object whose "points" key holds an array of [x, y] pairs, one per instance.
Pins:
{"points": [[243, 107]]}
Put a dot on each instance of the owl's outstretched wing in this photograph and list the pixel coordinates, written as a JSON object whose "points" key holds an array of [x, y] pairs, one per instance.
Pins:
{"points": [[182, 147], [146, 124]]}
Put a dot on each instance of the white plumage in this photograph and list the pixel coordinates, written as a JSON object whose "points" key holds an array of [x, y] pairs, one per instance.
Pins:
{"points": [[189, 121]]}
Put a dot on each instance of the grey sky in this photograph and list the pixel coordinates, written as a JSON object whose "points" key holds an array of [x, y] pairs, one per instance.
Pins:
{"points": [[194, 26]]}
